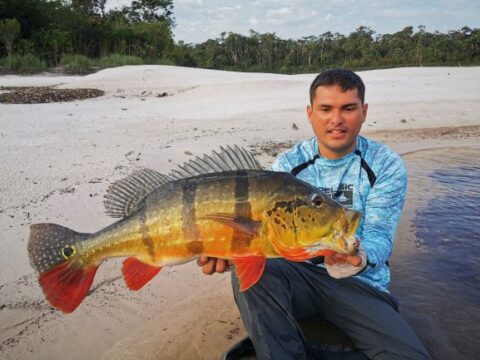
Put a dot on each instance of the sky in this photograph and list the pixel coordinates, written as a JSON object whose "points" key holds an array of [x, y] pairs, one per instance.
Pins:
{"points": [[199, 20]]}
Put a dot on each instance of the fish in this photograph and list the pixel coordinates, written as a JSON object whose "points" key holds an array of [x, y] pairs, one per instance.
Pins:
{"points": [[222, 205]]}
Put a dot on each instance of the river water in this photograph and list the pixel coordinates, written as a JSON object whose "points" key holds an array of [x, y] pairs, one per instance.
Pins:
{"points": [[436, 261]]}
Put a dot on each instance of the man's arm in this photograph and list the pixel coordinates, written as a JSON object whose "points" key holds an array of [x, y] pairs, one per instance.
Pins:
{"points": [[382, 212]]}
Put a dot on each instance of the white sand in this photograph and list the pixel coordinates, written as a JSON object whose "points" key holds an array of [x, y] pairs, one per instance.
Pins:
{"points": [[57, 160]]}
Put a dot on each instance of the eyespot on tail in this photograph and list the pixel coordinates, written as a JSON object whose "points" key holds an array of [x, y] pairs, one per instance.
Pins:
{"points": [[52, 252], [50, 245]]}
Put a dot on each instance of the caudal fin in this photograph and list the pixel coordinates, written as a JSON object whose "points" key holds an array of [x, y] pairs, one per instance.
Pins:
{"points": [[53, 253]]}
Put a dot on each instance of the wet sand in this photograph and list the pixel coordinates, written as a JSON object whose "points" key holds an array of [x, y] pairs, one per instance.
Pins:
{"points": [[58, 159]]}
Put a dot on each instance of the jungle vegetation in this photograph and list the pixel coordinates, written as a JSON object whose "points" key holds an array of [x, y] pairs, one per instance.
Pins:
{"points": [[81, 35]]}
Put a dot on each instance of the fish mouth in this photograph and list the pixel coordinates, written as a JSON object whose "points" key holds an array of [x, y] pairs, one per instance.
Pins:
{"points": [[343, 239], [353, 220]]}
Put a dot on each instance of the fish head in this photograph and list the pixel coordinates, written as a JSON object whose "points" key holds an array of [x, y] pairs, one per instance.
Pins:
{"points": [[326, 225], [305, 217]]}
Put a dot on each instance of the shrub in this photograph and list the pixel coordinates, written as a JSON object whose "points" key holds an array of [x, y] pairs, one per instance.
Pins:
{"points": [[76, 64], [23, 64], [113, 60], [9, 31]]}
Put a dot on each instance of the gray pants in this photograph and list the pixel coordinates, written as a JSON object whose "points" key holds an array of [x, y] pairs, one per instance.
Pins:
{"points": [[289, 292]]}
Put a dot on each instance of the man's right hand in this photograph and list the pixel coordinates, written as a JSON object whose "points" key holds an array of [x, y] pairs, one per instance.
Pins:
{"points": [[212, 265]]}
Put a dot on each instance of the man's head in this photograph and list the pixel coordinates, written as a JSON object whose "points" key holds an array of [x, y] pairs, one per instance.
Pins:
{"points": [[337, 111], [344, 78]]}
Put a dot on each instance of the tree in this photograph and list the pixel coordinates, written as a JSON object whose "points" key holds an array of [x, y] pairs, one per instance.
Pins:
{"points": [[101, 6], [153, 39], [150, 10], [56, 41], [421, 38], [9, 30], [84, 7]]}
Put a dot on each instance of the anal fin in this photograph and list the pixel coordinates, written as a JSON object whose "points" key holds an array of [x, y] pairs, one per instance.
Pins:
{"points": [[249, 270], [137, 273]]}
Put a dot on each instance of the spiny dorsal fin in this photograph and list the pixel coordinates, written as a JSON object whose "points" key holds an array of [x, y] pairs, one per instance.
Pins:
{"points": [[228, 159], [124, 197]]}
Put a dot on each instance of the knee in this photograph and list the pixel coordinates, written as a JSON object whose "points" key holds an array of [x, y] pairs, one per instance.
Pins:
{"points": [[275, 274], [275, 267]]}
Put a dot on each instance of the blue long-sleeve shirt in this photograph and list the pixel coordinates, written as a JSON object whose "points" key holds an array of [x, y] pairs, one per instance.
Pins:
{"points": [[348, 182]]}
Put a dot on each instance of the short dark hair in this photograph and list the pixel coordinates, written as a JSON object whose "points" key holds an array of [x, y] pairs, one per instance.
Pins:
{"points": [[344, 78]]}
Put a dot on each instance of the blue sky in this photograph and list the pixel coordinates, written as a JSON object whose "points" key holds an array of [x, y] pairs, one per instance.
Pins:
{"points": [[199, 20]]}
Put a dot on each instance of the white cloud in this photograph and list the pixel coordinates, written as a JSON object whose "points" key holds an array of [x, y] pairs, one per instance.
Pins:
{"points": [[199, 20], [188, 2], [229, 8], [279, 12]]}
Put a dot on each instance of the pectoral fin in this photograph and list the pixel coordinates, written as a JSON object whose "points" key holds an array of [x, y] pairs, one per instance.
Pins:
{"points": [[249, 270], [137, 273], [243, 224], [322, 253], [290, 253]]}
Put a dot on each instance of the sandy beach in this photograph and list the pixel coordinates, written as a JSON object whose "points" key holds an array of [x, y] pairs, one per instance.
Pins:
{"points": [[58, 159]]}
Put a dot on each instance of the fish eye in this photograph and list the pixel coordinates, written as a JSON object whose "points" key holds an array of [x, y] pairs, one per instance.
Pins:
{"points": [[317, 200], [68, 251]]}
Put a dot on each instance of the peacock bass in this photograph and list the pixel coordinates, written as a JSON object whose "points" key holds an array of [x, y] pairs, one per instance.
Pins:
{"points": [[222, 205]]}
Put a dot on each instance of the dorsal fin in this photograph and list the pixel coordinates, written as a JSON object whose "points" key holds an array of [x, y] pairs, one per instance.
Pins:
{"points": [[228, 159], [124, 197]]}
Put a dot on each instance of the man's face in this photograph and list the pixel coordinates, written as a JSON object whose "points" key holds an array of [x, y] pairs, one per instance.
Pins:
{"points": [[336, 117]]}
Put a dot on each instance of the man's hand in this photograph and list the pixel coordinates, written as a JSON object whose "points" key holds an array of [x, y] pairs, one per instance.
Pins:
{"points": [[340, 259], [212, 265]]}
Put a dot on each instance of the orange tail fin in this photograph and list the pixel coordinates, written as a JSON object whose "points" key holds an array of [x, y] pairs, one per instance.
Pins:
{"points": [[53, 253]]}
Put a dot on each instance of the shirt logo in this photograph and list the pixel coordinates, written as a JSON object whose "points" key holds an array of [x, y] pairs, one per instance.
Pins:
{"points": [[343, 195]]}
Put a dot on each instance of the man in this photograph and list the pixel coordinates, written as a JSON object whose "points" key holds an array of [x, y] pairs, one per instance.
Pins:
{"points": [[350, 292]]}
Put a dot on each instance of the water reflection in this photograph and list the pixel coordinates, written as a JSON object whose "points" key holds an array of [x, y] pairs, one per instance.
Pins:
{"points": [[436, 262]]}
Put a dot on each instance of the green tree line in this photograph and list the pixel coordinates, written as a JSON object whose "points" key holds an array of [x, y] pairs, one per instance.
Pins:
{"points": [[54, 30], [50, 29], [360, 49]]}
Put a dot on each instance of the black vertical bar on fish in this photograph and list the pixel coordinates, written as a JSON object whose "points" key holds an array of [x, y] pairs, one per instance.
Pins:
{"points": [[189, 218], [243, 208], [146, 238]]}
